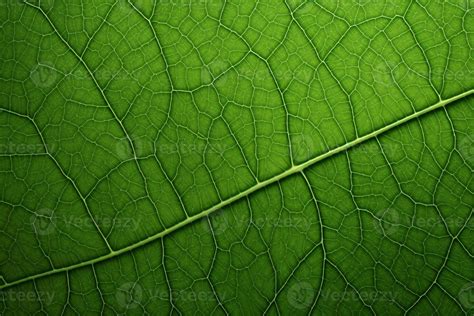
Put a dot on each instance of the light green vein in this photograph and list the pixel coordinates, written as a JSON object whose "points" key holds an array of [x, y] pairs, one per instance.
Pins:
{"points": [[294, 170]]}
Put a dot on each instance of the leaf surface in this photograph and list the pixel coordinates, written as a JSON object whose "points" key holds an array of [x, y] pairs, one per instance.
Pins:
{"points": [[237, 157]]}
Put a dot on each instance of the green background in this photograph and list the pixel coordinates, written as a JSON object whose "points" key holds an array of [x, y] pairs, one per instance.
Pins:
{"points": [[236, 157]]}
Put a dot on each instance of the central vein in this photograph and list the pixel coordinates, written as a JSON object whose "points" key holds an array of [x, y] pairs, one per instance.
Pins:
{"points": [[295, 169]]}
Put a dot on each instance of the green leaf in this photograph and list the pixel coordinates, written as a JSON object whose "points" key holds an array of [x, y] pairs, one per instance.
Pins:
{"points": [[236, 157]]}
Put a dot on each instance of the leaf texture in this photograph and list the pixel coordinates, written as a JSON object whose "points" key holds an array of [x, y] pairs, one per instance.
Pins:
{"points": [[236, 157]]}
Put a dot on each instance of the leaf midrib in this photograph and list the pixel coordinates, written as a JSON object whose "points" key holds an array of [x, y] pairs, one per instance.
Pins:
{"points": [[293, 170]]}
